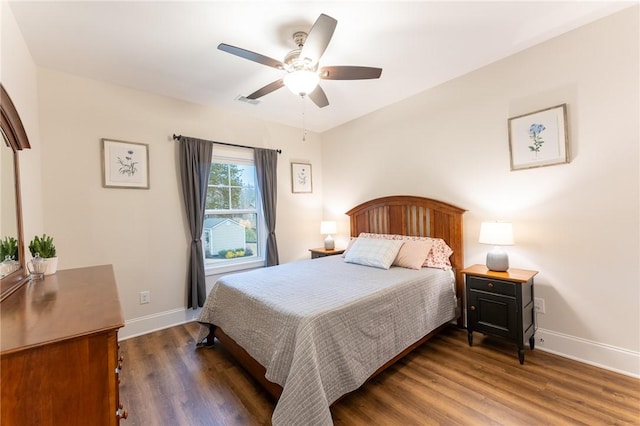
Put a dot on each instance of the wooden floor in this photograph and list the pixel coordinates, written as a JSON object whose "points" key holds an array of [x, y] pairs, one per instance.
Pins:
{"points": [[167, 381]]}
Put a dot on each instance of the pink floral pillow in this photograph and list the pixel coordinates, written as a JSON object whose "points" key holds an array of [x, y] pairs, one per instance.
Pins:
{"points": [[438, 256]]}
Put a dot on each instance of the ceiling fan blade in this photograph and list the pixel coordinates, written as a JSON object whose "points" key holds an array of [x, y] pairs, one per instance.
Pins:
{"points": [[319, 97], [266, 89], [252, 56], [349, 73], [318, 38]]}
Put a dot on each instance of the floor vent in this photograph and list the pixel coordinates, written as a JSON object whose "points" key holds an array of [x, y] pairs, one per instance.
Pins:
{"points": [[246, 100]]}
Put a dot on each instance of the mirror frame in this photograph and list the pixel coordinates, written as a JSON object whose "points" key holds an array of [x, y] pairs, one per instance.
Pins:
{"points": [[15, 134]]}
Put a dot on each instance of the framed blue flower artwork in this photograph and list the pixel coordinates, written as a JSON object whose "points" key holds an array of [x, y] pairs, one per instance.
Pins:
{"points": [[125, 164], [539, 138]]}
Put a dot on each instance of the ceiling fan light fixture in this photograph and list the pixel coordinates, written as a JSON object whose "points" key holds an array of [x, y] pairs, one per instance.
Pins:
{"points": [[301, 82]]}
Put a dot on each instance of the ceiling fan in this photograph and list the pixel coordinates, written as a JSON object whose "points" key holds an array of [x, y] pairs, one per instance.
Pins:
{"points": [[301, 64]]}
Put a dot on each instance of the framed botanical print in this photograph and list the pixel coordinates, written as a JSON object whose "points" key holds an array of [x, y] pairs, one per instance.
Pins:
{"points": [[539, 138], [301, 178], [125, 164]]}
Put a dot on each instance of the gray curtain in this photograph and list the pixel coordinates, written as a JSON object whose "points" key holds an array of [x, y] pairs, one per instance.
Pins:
{"points": [[195, 166], [267, 170]]}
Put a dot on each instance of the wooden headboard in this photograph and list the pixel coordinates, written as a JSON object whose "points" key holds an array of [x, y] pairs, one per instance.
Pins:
{"points": [[414, 216]]}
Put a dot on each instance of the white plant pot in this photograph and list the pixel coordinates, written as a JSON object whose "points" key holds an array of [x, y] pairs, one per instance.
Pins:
{"points": [[52, 266]]}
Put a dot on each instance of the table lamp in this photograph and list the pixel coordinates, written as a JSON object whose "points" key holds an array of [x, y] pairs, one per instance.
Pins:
{"points": [[497, 234], [328, 227]]}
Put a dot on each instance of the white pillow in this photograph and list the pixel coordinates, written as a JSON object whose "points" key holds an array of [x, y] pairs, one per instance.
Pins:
{"points": [[351, 241], [373, 252]]}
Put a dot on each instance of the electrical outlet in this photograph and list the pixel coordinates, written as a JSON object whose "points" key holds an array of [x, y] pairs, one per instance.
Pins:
{"points": [[145, 297], [538, 305]]}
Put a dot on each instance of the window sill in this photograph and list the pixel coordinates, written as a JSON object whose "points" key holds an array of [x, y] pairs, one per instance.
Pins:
{"points": [[233, 267]]}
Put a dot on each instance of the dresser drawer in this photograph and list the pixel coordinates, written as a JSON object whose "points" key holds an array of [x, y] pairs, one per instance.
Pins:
{"points": [[491, 286]]}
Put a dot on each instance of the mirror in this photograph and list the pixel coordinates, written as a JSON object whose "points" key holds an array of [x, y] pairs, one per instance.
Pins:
{"points": [[8, 211], [15, 139]]}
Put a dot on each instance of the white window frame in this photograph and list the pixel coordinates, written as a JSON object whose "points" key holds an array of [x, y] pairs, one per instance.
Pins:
{"points": [[242, 157]]}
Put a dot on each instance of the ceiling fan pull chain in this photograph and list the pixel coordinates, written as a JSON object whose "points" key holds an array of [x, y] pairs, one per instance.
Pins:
{"points": [[304, 130]]}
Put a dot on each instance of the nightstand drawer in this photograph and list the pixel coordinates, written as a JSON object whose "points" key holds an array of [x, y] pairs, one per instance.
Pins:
{"points": [[491, 286]]}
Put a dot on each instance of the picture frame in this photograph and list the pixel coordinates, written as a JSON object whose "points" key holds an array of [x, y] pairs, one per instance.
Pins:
{"points": [[301, 178], [125, 164], [539, 138]]}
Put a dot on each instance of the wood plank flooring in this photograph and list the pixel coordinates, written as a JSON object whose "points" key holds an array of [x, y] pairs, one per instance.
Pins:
{"points": [[167, 381]]}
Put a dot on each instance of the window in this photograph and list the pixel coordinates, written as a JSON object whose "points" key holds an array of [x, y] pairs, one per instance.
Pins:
{"points": [[232, 235]]}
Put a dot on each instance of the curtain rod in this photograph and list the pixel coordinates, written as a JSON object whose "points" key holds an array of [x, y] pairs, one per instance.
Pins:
{"points": [[178, 137]]}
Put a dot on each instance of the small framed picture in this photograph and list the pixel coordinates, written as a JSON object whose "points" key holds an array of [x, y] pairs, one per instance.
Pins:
{"points": [[125, 164], [301, 179], [539, 138]]}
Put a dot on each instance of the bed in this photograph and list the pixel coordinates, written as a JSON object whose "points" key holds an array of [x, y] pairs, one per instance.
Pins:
{"points": [[313, 330]]}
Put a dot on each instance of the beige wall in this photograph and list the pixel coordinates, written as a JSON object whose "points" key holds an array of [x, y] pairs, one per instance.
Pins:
{"points": [[143, 233], [578, 224], [18, 75]]}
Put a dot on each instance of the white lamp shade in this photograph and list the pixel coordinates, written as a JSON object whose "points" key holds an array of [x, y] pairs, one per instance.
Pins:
{"points": [[328, 227], [301, 82], [496, 233]]}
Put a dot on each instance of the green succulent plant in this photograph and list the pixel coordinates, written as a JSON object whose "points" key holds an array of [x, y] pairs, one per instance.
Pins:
{"points": [[42, 246], [8, 247]]}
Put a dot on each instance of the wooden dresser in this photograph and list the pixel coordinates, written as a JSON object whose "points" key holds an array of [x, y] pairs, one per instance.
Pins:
{"points": [[59, 350]]}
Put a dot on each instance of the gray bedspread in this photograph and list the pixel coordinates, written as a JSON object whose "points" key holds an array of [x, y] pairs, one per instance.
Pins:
{"points": [[321, 327]]}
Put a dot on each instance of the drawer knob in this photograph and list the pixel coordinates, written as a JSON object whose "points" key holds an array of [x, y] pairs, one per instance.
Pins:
{"points": [[473, 308], [490, 285]]}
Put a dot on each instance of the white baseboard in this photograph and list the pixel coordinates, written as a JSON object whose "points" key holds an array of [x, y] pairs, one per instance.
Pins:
{"points": [[601, 355], [589, 352], [147, 324]]}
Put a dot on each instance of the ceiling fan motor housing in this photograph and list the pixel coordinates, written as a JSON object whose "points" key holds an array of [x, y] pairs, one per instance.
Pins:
{"points": [[293, 61], [299, 38]]}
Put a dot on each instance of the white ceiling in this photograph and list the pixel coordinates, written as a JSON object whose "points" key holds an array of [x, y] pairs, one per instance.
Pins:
{"points": [[169, 47]]}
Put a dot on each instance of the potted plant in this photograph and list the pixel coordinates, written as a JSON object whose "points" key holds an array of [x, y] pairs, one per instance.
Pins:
{"points": [[8, 247], [8, 256], [44, 247]]}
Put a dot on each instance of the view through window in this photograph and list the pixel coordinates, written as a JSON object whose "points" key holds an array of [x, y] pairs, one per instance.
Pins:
{"points": [[232, 232]]}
